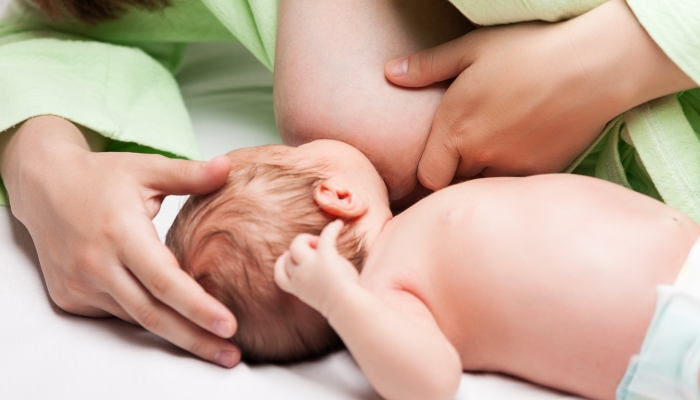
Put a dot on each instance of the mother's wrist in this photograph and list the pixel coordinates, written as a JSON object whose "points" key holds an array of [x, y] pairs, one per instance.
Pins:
{"points": [[656, 74], [5, 137], [34, 145], [624, 61]]}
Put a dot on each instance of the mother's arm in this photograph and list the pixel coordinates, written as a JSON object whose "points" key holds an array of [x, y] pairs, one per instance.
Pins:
{"points": [[530, 98], [329, 82]]}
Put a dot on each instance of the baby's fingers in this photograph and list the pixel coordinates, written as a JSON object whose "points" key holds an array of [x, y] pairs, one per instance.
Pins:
{"points": [[281, 276], [330, 235], [302, 248]]}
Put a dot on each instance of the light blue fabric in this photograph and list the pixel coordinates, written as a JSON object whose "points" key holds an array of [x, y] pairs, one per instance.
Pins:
{"points": [[668, 364]]}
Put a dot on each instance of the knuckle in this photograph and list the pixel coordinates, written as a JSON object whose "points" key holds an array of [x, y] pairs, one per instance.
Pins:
{"points": [[159, 285], [292, 262], [448, 146], [298, 244], [148, 317], [425, 62], [453, 127], [197, 313], [65, 302], [448, 127], [483, 156], [87, 262], [197, 346], [66, 299], [113, 229]]}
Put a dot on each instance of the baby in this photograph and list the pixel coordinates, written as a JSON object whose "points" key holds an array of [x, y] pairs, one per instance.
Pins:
{"points": [[557, 279]]}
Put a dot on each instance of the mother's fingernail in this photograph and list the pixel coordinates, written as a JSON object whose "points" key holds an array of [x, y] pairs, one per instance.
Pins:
{"points": [[223, 329], [226, 358], [398, 67]]}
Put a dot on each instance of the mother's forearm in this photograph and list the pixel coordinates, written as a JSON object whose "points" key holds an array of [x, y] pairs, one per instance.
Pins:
{"points": [[622, 61], [27, 148]]}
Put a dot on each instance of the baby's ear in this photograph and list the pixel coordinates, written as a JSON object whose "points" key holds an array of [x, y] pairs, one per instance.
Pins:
{"points": [[338, 199]]}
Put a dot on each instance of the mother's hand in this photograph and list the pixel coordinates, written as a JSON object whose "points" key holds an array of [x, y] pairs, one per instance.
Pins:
{"points": [[90, 214], [529, 98]]}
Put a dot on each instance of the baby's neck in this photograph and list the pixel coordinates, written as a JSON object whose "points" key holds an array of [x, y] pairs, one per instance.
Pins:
{"points": [[373, 222]]}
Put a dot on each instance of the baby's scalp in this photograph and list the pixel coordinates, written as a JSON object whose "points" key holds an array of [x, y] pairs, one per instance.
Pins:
{"points": [[230, 239]]}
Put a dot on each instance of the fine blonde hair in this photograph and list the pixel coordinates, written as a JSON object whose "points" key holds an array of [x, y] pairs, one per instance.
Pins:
{"points": [[233, 237]]}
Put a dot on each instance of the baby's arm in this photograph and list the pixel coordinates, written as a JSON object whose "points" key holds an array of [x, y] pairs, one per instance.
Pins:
{"points": [[394, 339]]}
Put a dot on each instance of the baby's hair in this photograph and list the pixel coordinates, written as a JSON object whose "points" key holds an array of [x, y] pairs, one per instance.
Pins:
{"points": [[92, 12], [233, 237]]}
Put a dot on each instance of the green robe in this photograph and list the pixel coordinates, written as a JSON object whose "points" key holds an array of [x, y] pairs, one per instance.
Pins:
{"points": [[117, 79]]}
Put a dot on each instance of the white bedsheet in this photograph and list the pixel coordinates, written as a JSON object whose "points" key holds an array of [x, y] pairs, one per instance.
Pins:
{"points": [[46, 353]]}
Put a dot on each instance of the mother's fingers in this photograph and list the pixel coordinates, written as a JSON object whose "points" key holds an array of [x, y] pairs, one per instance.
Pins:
{"points": [[157, 269], [432, 65], [455, 146], [182, 177], [110, 306], [438, 164], [163, 321]]}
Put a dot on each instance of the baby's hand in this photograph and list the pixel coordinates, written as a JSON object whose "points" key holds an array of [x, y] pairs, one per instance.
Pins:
{"points": [[313, 271]]}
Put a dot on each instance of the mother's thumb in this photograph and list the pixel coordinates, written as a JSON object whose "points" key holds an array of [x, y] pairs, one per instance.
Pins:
{"points": [[431, 65], [181, 177]]}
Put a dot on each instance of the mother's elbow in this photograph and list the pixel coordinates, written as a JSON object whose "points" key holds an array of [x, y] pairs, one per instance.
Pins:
{"points": [[299, 119]]}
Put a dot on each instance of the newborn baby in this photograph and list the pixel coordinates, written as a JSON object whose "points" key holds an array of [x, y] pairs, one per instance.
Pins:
{"points": [[551, 278]]}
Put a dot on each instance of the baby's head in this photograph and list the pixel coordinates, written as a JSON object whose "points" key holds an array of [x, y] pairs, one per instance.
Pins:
{"points": [[229, 241]]}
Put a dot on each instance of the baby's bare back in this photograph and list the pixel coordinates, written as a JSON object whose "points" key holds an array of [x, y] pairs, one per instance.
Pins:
{"points": [[549, 278]]}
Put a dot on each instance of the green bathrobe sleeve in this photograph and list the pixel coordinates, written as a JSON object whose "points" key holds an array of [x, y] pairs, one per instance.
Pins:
{"points": [[498, 12], [674, 25], [117, 78]]}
